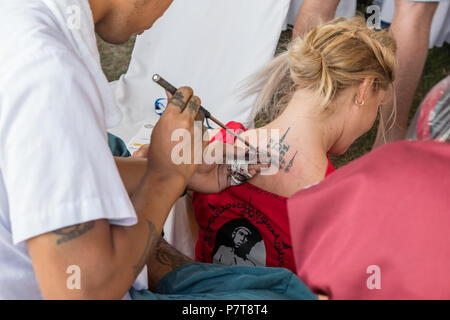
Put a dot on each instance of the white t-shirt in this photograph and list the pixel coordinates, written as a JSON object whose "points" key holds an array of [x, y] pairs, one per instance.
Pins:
{"points": [[56, 169]]}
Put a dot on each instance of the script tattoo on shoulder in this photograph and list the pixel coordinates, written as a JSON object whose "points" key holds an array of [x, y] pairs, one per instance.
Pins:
{"points": [[291, 162], [72, 232], [282, 148], [152, 240]]}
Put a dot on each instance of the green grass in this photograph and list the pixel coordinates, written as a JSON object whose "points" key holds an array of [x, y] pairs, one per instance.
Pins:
{"points": [[115, 61]]}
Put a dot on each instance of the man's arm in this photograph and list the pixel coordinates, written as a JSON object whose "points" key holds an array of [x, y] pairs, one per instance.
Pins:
{"points": [[313, 12], [131, 170], [110, 257], [212, 178], [164, 260]]}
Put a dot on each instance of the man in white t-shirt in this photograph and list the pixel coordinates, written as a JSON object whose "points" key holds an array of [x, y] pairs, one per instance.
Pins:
{"points": [[64, 211]]}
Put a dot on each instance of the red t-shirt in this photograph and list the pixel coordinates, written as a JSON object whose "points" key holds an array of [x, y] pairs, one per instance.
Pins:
{"points": [[243, 225], [383, 232]]}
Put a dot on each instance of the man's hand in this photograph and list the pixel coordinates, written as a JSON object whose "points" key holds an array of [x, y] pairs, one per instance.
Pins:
{"points": [[211, 178], [110, 257], [179, 116]]}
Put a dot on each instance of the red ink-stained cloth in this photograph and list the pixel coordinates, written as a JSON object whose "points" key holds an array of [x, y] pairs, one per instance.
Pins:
{"points": [[243, 225], [227, 137], [389, 210]]}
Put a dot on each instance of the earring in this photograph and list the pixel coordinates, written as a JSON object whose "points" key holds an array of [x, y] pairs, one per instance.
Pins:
{"points": [[359, 103]]}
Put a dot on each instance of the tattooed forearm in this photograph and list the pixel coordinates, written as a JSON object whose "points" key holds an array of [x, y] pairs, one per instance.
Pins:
{"points": [[168, 256], [164, 260], [152, 240], [72, 232]]}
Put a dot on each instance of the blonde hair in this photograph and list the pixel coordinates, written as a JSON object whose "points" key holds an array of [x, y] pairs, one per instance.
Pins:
{"points": [[329, 58]]}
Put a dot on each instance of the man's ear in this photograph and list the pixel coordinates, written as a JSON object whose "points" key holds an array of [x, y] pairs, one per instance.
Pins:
{"points": [[363, 90]]}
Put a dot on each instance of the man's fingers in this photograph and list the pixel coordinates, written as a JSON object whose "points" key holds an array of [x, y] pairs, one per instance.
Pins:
{"points": [[256, 168], [193, 106], [200, 116], [141, 152], [179, 100]]}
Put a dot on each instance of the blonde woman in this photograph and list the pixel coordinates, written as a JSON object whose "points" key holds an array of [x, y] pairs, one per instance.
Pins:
{"points": [[321, 95]]}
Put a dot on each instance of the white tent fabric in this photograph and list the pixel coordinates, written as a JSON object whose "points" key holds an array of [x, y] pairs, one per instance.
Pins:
{"points": [[346, 9], [440, 27], [210, 45]]}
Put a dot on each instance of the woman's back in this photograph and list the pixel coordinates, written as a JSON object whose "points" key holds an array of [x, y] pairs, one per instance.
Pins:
{"points": [[245, 224]]}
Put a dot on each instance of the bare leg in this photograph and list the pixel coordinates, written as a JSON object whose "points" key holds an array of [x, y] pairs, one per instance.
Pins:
{"points": [[311, 13], [411, 28], [164, 260]]}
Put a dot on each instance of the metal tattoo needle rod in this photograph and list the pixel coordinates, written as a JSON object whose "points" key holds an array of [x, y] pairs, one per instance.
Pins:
{"points": [[170, 88]]}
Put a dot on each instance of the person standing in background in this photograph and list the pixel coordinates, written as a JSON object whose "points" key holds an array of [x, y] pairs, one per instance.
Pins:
{"points": [[411, 28]]}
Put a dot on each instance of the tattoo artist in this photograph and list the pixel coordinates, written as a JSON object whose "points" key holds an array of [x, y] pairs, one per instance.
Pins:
{"points": [[62, 200]]}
